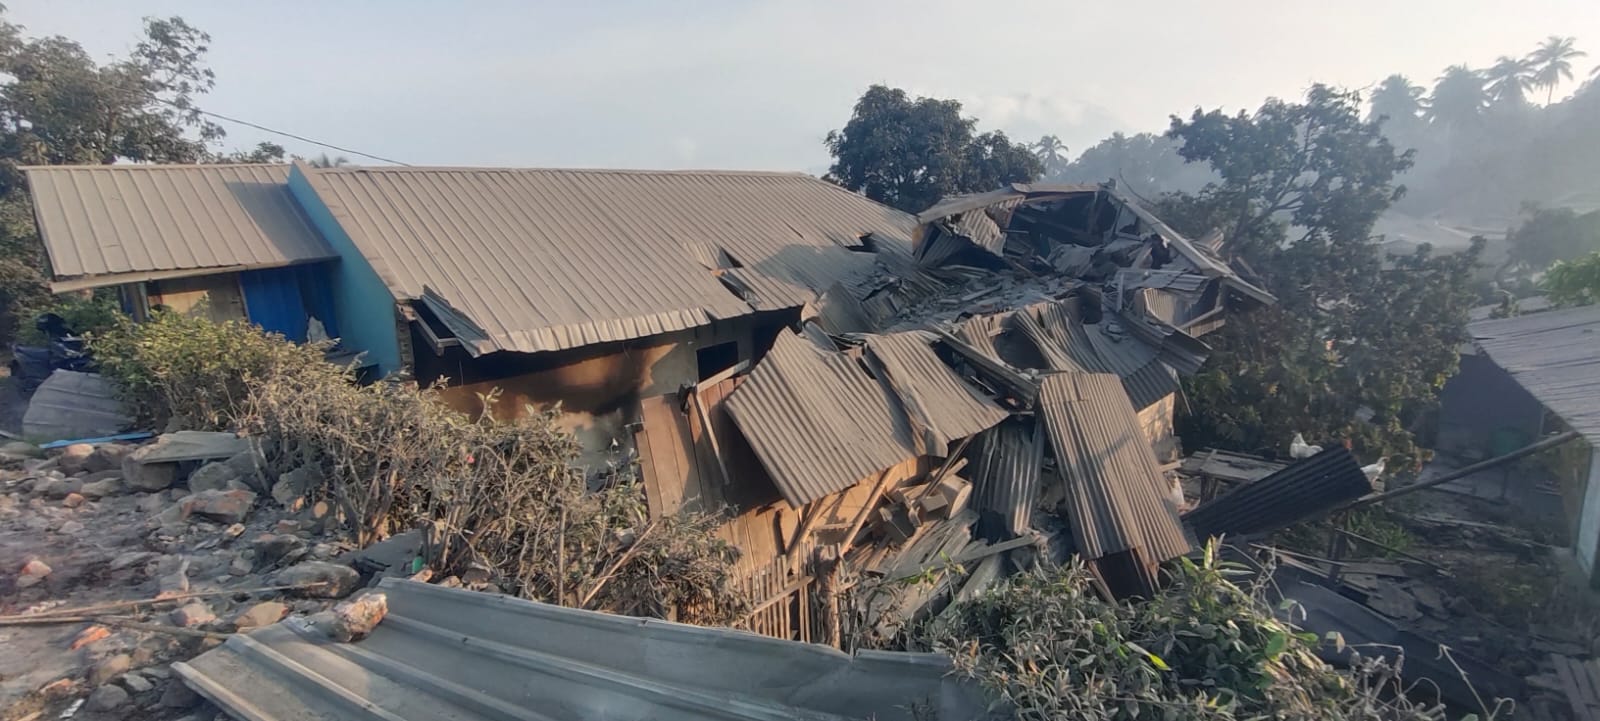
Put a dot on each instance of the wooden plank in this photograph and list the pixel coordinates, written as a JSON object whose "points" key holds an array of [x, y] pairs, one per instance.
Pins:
{"points": [[723, 375], [647, 470], [710, 437]]}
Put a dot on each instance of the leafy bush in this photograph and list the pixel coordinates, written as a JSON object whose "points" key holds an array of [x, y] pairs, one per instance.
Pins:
{"points": [[1206, 648], [497, 496], [90, 315], [197, 373]]}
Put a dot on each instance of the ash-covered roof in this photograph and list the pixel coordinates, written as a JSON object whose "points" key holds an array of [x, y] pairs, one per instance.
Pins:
{"points": [[544, 259], [1555, 355], [109, 224]]}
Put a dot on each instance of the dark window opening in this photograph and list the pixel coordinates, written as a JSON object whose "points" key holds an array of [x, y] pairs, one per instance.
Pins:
{"points": [[716, 358]]}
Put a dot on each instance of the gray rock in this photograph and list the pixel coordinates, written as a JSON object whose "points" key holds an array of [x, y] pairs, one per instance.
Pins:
{"points": [[107, 698], [109, 668], [230, 506], [332, 579], [265, 613], [151, 503], [148, 476], [108, 457], [74, 458], [178, 696], [194, 613], [273, 549], [131, 559], [212, 476], [21, 448], [291, 489], [70, 528], [57, 488], [135, 682], [102, 488]]}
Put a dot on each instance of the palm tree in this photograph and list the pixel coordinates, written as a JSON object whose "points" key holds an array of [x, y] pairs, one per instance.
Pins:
{"points": [[1397, 99], [1509, 80], [1052, 153], [1552, 63], [323, 161], [1458, 98]]}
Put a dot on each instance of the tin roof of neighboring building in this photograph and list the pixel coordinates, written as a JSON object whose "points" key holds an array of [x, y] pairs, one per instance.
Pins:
{"points": [[109, 224], [1555, 355], [443, 653], [1116, 496], [544, 259]]}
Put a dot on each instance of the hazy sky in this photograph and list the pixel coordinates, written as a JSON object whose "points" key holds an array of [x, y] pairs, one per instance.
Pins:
{"points": [[729, 84]]}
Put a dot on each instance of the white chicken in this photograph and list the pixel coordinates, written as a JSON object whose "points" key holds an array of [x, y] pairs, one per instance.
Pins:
{"points": [[1375, 471], [1298, 448]]}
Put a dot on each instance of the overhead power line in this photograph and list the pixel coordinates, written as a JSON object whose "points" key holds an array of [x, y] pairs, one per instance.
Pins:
{"points": [[219, 116]]}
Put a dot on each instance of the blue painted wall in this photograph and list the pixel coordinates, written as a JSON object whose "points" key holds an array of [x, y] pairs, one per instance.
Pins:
{"points": [[364, 305]]}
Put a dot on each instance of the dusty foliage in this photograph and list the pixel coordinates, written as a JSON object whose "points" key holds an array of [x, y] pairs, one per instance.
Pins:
{"points": [[197, 374], [1207, 648], [501, 497]]}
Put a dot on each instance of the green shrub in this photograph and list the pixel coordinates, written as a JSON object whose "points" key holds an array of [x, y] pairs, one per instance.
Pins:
{"points": [[195, 373], [88, 315], [1205, 648]]}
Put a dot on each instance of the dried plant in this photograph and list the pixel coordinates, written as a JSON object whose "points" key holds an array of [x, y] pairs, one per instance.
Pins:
{"points": [[502, 497]]}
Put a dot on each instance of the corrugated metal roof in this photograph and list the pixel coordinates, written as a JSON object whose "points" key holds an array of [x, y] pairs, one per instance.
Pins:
{"points": [[817, 421], [1067, 344], [116, 220], [1005, 475], [1302, 490], [551, 259], [766, 292], [1555, 355], [1117, 499], [932, 392], [445, 653]]}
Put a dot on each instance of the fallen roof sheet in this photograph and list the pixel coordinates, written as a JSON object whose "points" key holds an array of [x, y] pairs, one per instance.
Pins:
{"points": [[817, 421], [445, 653], [938, 399], [1116, 496], [1192, 255], [1005, 476], [552, 259], [1068, 344], [1302, 490], [1555, 355], [108, 224]]}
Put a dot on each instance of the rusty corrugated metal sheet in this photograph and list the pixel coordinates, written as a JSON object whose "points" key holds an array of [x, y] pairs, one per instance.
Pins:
{"points": [[117, 220], [932, 392], [551, 259], [817, 421], [1005, 476], [1117, 499], [1315, 485]]}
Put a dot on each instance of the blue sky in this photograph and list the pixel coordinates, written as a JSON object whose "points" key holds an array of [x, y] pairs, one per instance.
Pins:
{"points": [[734, 84]]}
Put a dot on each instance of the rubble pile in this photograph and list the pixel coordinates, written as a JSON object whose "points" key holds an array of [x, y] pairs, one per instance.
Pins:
{"points": [[163, 550]]}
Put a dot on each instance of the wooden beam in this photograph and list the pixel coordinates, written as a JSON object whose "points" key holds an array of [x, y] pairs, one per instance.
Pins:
{"points": [[711, 435], [776, 598], [878, 489], [1543, 445], [808, 518], [723, 375]]}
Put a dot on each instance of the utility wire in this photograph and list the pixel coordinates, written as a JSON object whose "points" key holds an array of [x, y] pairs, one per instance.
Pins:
{"points": [[287, 134], [158, 99]]}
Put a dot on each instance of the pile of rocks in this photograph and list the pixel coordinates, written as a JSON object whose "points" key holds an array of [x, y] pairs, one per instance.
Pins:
{"points": [[191, 519]]}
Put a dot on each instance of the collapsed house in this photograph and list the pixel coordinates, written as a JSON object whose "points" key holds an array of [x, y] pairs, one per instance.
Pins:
{"points": [[863, 393]]}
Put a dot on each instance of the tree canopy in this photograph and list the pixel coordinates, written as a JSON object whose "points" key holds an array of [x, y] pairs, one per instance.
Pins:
{"points": [[59, 106], [1355, 334], [908, 153]]}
